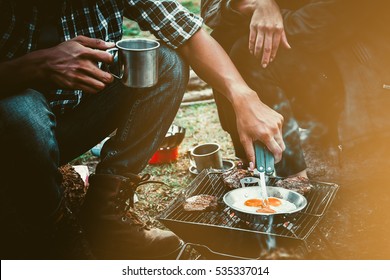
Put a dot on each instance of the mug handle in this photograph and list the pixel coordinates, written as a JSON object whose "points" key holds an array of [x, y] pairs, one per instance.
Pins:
{"points": [[191, 158], [115, 64]]}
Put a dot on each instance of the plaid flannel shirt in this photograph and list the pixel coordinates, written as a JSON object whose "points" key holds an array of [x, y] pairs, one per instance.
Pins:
{"points": [[20, 27]]}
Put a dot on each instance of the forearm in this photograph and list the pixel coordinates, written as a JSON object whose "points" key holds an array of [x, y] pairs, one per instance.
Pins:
{"points": [[22, 72], [254, 120], [213, 65], [70, 65]]}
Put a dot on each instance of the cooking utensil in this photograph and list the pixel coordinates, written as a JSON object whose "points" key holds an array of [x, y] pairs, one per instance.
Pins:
{"points": [[250, 182], [263, 187], [258, 181], [236, 197], [264, 159], [265, 165], [222, 231], [173, 137], [227, 166], [169, 149]]}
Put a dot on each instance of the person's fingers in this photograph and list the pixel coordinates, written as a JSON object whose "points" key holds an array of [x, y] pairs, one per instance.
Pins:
{"points": [[92, 70], [267, 49], [284, 40], [249, 150], [89, 84], [252, 40], [100, 56], [94, 43], [79, 80], [275, 45], [80, 84], [258, 44], [279, 139], [274, 148], [279, 133]]}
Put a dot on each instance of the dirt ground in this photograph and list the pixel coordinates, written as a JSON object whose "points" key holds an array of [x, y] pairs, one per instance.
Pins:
{"points": [[356, 226]]}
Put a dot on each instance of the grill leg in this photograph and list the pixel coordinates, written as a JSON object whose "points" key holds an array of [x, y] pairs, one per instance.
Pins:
{"points": [[187, 253]]}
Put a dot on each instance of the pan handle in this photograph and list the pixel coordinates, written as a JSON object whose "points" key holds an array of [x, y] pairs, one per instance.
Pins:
{"points": [[265, 161], [208, 253]]}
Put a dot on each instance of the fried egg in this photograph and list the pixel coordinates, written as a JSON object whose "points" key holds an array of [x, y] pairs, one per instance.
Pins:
{"points": [[279, 205]]}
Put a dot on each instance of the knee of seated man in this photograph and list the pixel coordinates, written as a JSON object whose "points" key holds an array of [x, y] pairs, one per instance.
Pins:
{"points": [[27, 117], [172, 67]]}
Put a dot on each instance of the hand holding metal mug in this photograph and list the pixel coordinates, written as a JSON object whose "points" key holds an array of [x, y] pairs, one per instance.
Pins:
{"points": [[135, 62]]}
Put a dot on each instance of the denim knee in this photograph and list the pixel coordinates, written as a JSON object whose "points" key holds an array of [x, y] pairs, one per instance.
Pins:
{"points": [[27, 130], [173, 76], [28, 124], [173, 69], [147, 118]]}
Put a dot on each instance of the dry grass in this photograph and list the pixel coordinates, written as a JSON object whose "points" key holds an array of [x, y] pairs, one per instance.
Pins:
{"points": [[202, 125]]}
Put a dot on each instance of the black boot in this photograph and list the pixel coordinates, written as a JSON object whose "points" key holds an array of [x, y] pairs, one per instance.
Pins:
{"points": [[58, 237], [69, 239], [112, 227]]}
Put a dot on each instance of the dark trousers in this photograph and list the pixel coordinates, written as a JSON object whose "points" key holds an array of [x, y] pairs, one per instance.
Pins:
{"points": [[304, 87], [35, 141]]}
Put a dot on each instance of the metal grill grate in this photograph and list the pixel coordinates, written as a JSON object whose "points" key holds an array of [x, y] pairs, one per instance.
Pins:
{"points": [[210, 226]]}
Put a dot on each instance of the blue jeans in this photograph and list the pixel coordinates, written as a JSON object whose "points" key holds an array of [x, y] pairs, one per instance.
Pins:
{"points": [[36, 141]]}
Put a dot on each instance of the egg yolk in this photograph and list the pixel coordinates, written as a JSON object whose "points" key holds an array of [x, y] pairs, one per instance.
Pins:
{"points": [[255, 202], [273, 201], [266, 210]]}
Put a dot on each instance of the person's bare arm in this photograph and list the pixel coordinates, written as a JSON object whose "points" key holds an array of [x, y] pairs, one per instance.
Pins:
{"points": [[255, 120], [70, 65], [266, 29]]}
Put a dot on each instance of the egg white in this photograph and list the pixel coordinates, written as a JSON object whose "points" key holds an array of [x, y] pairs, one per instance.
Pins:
{"points": [[284, 207]]}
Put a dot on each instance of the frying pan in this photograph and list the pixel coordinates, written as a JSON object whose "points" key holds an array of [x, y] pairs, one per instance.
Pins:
{"points": [[235, 198]]}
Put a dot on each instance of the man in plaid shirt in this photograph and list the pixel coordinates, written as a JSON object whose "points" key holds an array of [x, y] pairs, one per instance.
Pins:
{"points": [[56, 104]]}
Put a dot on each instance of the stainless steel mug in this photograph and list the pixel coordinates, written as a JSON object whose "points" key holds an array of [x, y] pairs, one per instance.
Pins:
{"points": [[206, 156], [137, 62]]}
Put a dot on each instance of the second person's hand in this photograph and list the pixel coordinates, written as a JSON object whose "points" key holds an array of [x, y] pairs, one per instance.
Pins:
{"points": [[258, 122], [266, 29]]}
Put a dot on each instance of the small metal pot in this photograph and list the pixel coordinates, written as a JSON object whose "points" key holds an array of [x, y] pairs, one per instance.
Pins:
{"points": [[236, 196]]}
